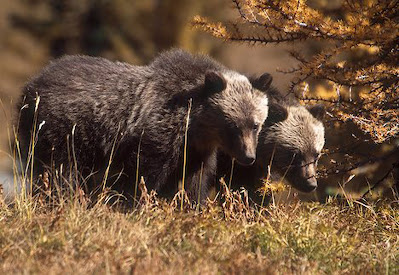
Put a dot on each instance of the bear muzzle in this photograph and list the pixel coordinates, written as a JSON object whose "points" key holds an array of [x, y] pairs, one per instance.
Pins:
{"points": [[246, 160], [307, 185]]}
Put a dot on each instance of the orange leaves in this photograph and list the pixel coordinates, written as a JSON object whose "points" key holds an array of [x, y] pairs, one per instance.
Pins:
{"points": [[216, 29], [360, 49]]}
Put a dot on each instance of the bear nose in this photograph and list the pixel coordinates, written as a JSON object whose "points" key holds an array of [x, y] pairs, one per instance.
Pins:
{"points": [[312, 182], [309, 185], [247, 160]]}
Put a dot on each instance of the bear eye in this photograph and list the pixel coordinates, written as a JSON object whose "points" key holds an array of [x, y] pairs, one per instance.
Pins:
{"points": [[297, 157], [234, 128], [255, 127]]}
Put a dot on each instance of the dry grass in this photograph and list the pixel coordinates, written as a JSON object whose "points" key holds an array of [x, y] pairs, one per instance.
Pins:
{"points": [[61, 232], [226, 237]]}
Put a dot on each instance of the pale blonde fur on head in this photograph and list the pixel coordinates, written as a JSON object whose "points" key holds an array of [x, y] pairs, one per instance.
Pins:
{"points": [[300, 131], [239, 101]]}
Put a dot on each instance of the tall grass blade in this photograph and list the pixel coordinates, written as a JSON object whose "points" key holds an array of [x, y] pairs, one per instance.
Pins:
{"points": [[185, 152]]}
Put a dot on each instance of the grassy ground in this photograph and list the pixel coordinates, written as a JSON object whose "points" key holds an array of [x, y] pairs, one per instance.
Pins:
{"points": [[298, 237]]}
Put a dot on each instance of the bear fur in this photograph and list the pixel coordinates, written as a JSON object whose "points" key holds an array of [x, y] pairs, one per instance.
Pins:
{"points": [[92, 110], [291, 141]]}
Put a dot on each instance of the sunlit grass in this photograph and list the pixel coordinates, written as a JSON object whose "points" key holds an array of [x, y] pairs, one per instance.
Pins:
{"points": [[225, 237], [61, 230]]}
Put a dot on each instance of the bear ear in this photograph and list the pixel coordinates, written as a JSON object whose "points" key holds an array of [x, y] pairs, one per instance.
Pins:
{"points": [[277, 113], [318, 111], [263, 82], [214, 82]]}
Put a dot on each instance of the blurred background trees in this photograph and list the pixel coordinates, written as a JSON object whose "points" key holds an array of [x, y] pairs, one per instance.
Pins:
{"points": [[130, 30], [344, 54]]}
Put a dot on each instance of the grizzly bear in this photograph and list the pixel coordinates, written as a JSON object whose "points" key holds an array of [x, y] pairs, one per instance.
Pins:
{"points": [[92, 111], [290, 142]]}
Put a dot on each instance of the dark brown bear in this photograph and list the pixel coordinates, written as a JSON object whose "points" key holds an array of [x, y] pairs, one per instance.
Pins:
{"points": [[291, 141], [91, 107]]}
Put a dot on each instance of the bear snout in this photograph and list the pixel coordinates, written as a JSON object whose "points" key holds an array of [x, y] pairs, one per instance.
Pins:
{"points": [[306, 185], [246, 159], [311, 183], [247, 153]]}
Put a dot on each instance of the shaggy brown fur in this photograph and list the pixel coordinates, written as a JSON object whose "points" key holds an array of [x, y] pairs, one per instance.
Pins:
{"points": [[292, 137], [92, 103]]}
